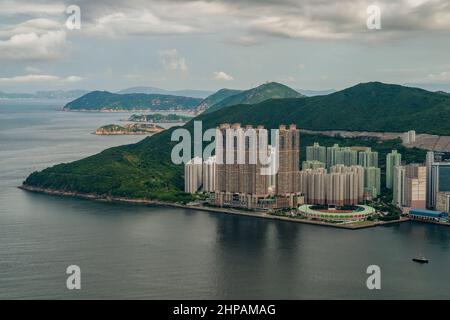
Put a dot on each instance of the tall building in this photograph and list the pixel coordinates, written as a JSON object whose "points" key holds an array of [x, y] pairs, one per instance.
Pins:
{"points": [[240, 180], [193, 175], [289, 160], [409, 186], [393, 159], [342, 186], [316, 152], [409, 136], [438, 175], [372, 181], [398, 185], [443, 201], [286, 186], [341, 155], [368, 158], [312, 164], [209, 174]]}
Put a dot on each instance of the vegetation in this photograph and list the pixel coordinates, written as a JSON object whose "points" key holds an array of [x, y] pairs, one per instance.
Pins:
{"points": [[216, 98], [159, 118], [264, 92], [144, 170], [104, 100], [365, 107], [136, 128]]}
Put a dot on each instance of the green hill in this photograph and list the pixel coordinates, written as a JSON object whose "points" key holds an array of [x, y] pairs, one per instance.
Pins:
{"points": [[271, 90], [370, 106], [144, 170], [104, 100], [216, 98]]}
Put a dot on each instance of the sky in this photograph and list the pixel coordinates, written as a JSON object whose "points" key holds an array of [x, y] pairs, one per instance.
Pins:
{"points": [[208, 45]]}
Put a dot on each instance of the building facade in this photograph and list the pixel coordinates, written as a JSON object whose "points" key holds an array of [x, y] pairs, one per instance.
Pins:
{"points": [[393, 159], [409, 136], [410, 186], [209, 175], [368, 158], [341, 155], [342, 186], [316, 152], [312, 164], [372, 185], [438, 175], [443, 201], [193, 178], [240, 180]]}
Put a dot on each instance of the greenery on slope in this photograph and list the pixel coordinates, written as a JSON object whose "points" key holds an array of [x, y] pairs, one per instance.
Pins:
{"points": [[144, 170], [103, 100], [365, 107], [271, 90], [159, 118], [216, 98]]}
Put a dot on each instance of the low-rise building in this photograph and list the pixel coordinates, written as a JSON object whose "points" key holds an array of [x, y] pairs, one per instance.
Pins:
{"points": [[428, 215]]}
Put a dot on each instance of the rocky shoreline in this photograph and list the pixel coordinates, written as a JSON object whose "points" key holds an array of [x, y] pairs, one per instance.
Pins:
{"points": [[262, 215]]}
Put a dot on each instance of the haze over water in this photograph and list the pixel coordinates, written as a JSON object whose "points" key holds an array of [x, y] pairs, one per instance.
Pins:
{"points": [[130, 251]]}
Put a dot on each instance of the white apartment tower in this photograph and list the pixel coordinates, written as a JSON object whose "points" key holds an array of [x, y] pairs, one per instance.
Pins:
{"points": [[193, 175]]}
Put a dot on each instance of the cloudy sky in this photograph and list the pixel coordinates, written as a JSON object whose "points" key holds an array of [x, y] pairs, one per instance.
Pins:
{"points": [[211, 44]]}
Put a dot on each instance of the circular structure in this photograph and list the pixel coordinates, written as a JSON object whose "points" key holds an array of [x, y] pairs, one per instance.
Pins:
{"points": [[357, 213]]}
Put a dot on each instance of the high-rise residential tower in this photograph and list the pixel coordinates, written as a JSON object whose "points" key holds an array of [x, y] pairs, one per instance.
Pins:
{"points": [[409, 187], [368, 158], [316, 152], [193, 175], [393, 159], [372, 181], [438, 175], [312, 164], [341, 155], [240, 180], [209, 174]]}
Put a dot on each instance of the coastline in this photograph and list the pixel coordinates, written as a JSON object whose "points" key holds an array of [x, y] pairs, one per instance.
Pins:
{"points": [[255, 214], [184, 111]]}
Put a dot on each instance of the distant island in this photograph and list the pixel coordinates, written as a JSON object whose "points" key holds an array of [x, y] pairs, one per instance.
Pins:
{"points": [[51, 94], [112, 102], [159, 118], [128, 129]]}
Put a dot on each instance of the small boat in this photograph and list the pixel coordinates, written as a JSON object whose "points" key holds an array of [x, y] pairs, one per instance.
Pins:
{"points": [[420, 260]]}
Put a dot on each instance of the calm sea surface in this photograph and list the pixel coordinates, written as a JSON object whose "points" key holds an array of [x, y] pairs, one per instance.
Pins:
{"points": [[129, 252]]}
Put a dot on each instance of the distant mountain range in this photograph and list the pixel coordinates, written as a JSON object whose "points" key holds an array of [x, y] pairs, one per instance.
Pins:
{"points": [[55, 94], [145, 169], [183, 93], [435, 87], [107, 101]]}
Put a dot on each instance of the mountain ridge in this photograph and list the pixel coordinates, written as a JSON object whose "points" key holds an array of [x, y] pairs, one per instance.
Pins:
{"points": [[270, 90]]}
